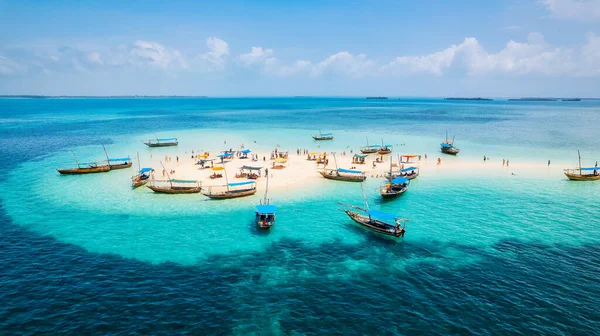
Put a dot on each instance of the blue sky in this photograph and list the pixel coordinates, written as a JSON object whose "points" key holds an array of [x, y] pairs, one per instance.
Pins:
{"points": [[273, 48]]}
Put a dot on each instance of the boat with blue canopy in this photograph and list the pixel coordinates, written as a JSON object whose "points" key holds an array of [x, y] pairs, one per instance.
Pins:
{"points": [[410, 173], [162, 142], [174, 186], [117, 163], [323, 136], [143, 175], [369, 149], [266, 212], [395, 187], [377, 221], [230, 190], [341, 174], [447, 146], [141, 178], [583, 174], [384, 149]]}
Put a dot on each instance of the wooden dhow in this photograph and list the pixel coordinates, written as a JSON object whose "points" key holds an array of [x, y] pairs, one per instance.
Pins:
{"points": [[377, 221], [230, 190], [341, 174], [447, 146], [84, 168], [174, 186], [583, 174], [265, 212], [162, 142], [323, 136]]}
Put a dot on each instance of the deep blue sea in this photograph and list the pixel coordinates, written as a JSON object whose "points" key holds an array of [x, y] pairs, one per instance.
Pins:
{"points": [[489, 251]]}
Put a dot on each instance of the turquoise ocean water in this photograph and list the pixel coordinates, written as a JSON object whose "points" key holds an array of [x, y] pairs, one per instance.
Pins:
{"points": [[487, 252]]}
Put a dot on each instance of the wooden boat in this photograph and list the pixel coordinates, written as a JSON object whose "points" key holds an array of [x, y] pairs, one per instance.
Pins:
{"points": [[384, 149], [583, 174], [447, 146], [164, 142], [265, 212], [217, 192], [175, 189], [369, 149], [174, 186], [84, 168], [410, 173], [118, 163], [142, 177], [230, 190], [340, 174], [377, 221], [396, 186], [323, 136]]}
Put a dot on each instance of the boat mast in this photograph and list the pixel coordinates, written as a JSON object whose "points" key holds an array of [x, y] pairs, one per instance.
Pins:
{"points": [[391, 157], [105, 152], [266, 191], [364, 197], [138, 160], [334, 160], [75, 158], [454, 136], [579, 156], [226, 179], [168, 176], [367, 142]]}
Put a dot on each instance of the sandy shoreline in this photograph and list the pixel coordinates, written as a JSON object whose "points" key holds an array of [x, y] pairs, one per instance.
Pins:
{"points": [[300, 172]]}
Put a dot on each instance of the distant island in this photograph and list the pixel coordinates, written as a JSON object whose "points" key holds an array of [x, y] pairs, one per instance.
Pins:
{"points": [[571, 99], [377, 97], [461, 98], [533, 99]]}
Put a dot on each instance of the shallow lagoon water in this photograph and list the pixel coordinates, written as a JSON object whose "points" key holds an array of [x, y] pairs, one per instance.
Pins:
{"points": [[485, 253]]}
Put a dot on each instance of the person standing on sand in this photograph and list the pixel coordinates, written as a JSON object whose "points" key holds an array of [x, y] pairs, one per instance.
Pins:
{"points": [[548, 163], [266, 172], [503, 162], [507, 162], [425, 156]]}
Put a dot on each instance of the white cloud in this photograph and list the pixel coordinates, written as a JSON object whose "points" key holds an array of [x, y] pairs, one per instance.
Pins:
{"points": [[8, 67], [218, 51], [256, 55], [342, 63], [533, 56], [346, 63], [156, 55], [274, 67], [584, 10]]}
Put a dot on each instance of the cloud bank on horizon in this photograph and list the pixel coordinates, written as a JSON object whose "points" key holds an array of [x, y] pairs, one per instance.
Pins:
{"points": [[533, 56]]}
